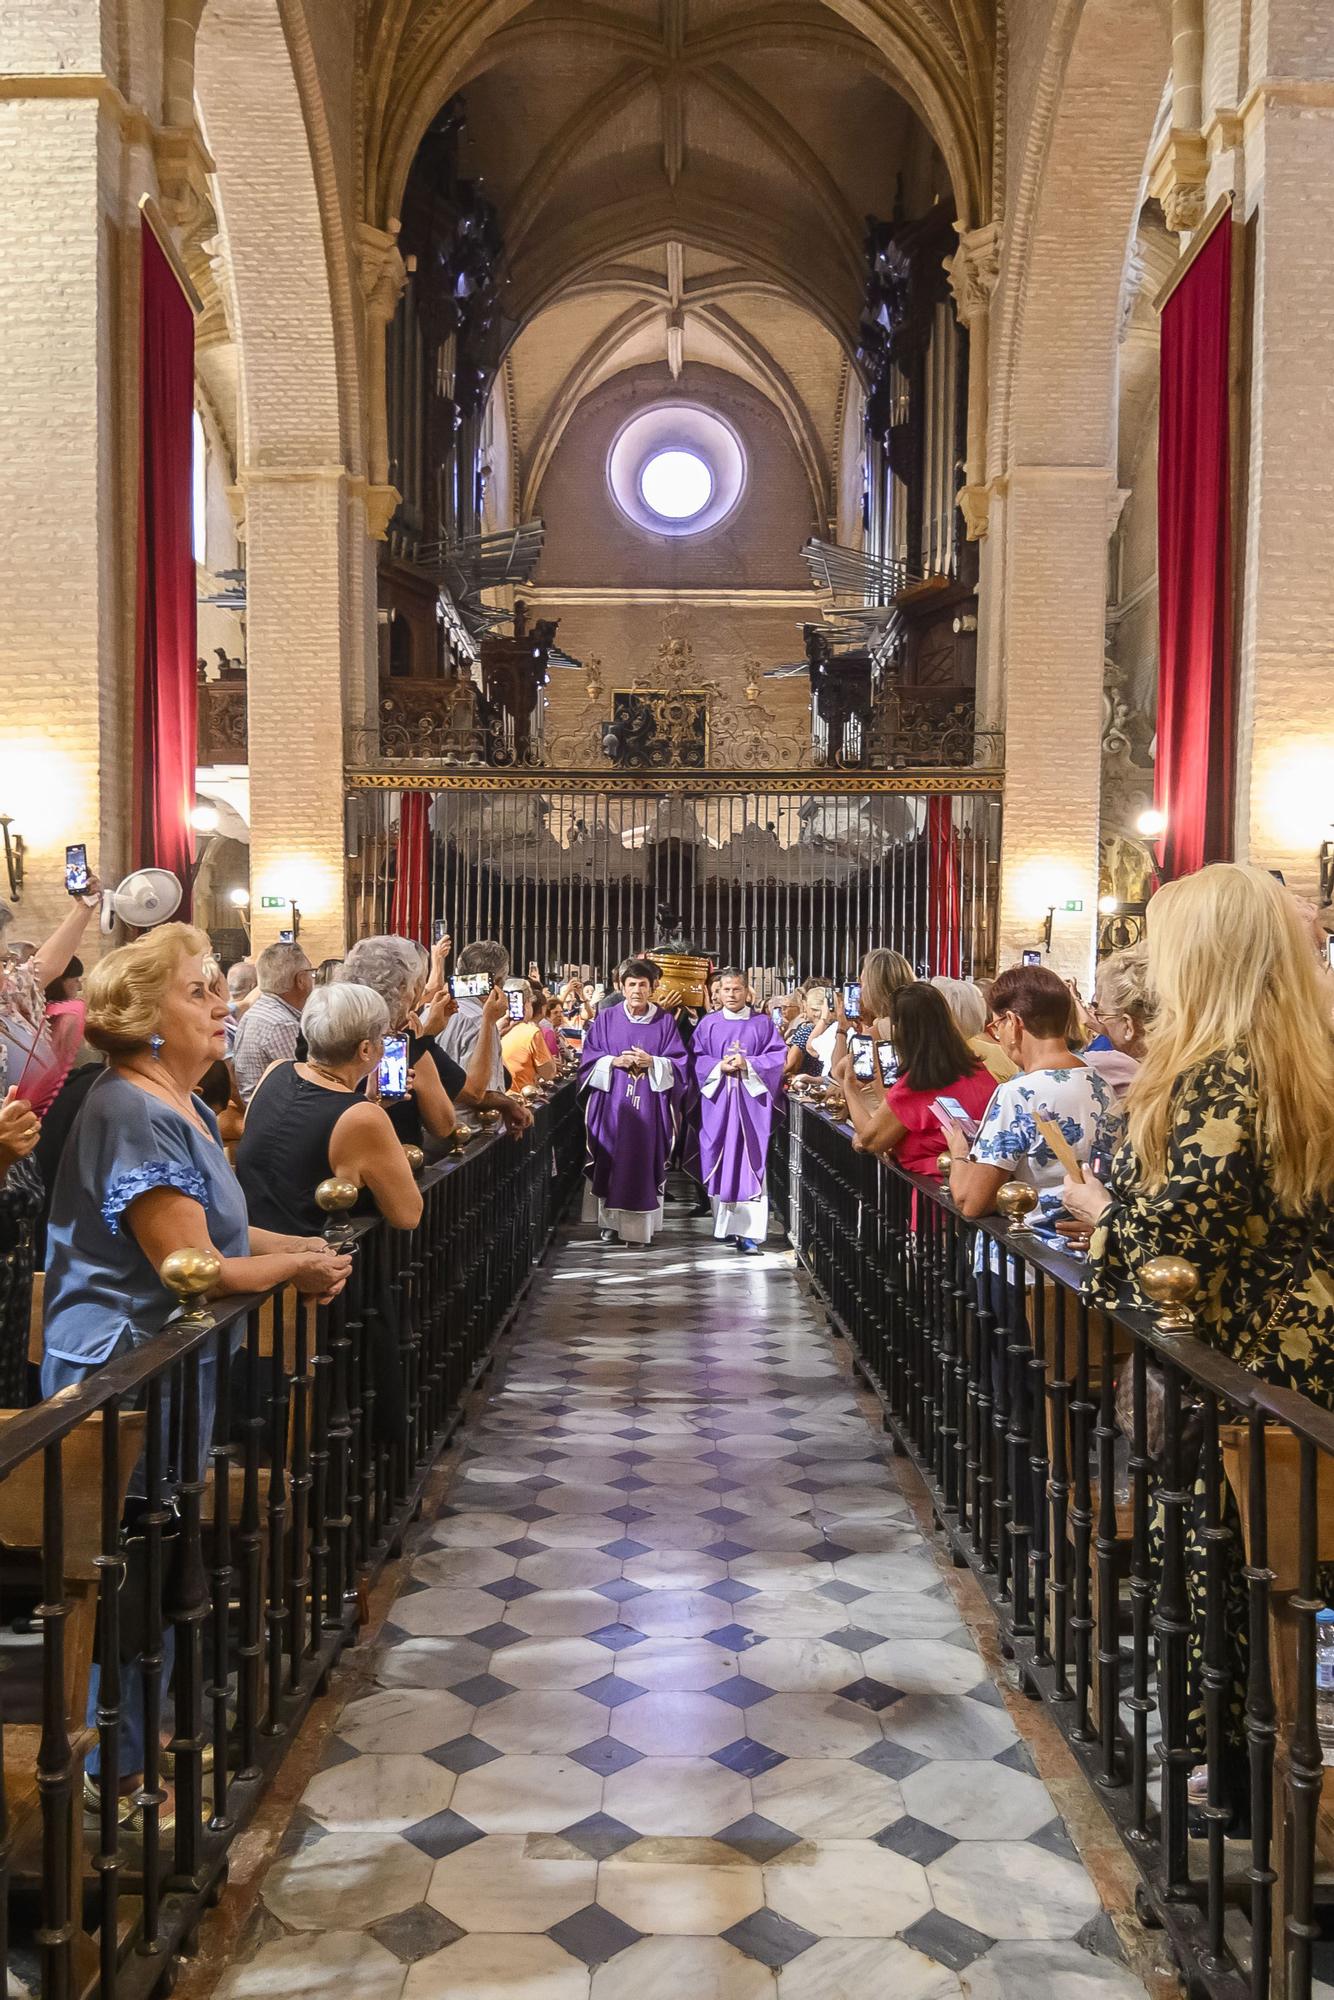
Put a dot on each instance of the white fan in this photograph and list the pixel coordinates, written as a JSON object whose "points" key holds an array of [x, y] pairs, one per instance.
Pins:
{"points": [[148, 896]]}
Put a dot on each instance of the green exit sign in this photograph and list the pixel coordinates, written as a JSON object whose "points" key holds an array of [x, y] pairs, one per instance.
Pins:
{"points": [[1073, 906], [275, 902]]}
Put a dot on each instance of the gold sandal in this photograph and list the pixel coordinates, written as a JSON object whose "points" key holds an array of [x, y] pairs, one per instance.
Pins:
{"points": [[129, 1811]]}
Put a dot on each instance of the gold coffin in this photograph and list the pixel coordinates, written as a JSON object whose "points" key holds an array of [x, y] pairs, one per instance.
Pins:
{"points": [[684, 975]]}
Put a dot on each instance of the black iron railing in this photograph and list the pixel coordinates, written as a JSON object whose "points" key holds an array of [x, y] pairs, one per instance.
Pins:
{"points": [[215, 1598], [1155, 1560]]}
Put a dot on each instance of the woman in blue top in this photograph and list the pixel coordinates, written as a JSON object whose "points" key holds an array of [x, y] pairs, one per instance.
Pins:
{"points": [[144, 1173]]}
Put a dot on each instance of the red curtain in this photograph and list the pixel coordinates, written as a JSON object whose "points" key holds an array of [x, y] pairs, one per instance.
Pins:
{"points": [[165, 687], [942, 890], [411, 914], [1193, 779]]}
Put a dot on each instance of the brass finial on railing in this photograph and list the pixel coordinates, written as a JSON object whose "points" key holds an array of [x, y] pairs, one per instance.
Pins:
{"points": [[1171, 1282], [336, 1196], [944, 1161], [415, 1157], [490, 1116], [191, 1275], [1016, 1201]]}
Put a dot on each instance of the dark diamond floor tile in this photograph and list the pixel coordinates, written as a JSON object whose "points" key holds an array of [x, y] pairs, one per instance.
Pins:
{"points": [[620, 1590], [482, 1689], [758, 1838], [523, 1548], [729, 1551], [915, 1840], [1017, 1758], [444, 1833], [748, 1758], [465, 1753], [730, 1591], [947, 1940], [856, 1638], [628, 1515], [632, 1458], [841, 1593], [336, 1752], [722, 1517], [872, 1694], [829, 1552], [612, 1690], [1054, 1838], [633, 1432], [617, 1638], [771, 1939], [415, 1933], [606, 1756], [509, 1588], [732, 1638], [741, 1691], [594, 1935], [988, 1693], [624, 1549], [631, 1483], [891, 1760], [497, 1636]]}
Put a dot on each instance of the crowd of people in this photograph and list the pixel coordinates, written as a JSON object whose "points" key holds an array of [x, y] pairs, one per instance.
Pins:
{"points": [[1191, 1092]]}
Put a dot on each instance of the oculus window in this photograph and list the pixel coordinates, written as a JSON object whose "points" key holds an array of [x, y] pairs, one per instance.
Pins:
{"points": [[676, 469]]}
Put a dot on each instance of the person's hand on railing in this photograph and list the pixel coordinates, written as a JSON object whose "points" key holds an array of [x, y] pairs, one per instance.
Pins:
{"points": [[514, 1115], [321, 1271], [20, 1129]]}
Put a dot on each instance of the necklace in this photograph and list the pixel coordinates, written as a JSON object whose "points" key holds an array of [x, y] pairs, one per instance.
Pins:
{"points": [[331, 1075]]}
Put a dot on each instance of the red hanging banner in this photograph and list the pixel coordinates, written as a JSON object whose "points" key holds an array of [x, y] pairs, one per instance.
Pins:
{"points": [[410, 916], [943, 914], [165, 688], [1193, 776]]}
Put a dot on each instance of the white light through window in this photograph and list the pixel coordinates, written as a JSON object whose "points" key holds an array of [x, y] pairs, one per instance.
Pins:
{"points": [[676, 484]]}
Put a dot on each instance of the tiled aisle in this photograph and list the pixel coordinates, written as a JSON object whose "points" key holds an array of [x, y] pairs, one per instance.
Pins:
{"points": [[677, 1706]]}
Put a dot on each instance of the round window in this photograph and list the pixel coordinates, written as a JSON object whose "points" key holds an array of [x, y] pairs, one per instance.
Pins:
{"points": [[676, 469]]}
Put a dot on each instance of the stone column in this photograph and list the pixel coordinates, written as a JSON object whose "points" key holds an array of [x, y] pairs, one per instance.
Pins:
{"points": [[72, 153], [973, 271], [383, 276], [295, 641], [1057, 521], [1285, 749]]}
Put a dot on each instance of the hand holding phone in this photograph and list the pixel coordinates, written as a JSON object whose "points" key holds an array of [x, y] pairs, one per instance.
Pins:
{"points": [[951, 1114], [392, 1079], [76, 869], [852, 999], [889, 1063], [472, 985]]}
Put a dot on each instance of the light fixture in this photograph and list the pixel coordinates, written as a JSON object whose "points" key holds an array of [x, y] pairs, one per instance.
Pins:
{"points": [[1152, 823], [239, 898], [13, 858], [204, 819], [1108, 905]]}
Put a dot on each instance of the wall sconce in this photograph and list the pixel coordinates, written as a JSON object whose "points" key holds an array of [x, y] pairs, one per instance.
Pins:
{"points": [[1108, 906], [13, 858], [1074, 904], [1152, 823], [965, 622], [239, 898]]}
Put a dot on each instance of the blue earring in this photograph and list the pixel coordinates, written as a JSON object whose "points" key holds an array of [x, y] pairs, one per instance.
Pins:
{"points": [[156, 1045]]}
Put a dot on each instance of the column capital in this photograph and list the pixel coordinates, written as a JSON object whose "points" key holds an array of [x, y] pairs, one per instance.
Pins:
{"points": [[1178, 177], [974, 270], [383, 272], [183, 166], [379, 502]]}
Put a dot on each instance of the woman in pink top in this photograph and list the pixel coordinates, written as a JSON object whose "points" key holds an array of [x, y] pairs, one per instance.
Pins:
{"points": [[934, 1062]]}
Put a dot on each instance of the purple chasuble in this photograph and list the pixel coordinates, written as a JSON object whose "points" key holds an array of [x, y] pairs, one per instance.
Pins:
{"points": [[631, 1126], [734, 1121]]}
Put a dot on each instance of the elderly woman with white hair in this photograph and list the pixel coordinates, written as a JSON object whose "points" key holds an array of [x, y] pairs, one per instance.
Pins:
{"points": [[967, 1003], [307, 1121], [397, 969]]}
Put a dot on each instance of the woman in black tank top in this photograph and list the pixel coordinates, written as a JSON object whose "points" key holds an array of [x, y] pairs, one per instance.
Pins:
{"points": [[304, 1123]]}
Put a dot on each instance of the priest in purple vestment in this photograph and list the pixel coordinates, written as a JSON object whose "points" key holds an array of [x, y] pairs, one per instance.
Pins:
{"points": [[632, 1067], [737, 1056]]}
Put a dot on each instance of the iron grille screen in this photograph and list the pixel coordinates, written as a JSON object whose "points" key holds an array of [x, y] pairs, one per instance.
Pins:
{"points": [[788, 881]]}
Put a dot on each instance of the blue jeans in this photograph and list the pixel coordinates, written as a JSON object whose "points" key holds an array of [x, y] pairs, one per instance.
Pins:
{"points": [[58, 1373]]}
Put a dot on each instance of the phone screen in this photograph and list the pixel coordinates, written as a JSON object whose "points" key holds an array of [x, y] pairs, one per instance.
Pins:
{"points": [[393, 1071], [76, 869], [1329, 952], [852, 1000], [862, 1050], [949, 1108], [1032, 958], [889, 1063], [473, 986], [439, 929], [517, 1003], [287, 937]]}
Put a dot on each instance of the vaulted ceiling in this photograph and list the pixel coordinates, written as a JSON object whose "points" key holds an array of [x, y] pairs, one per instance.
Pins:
{"points": [[687, 181]]}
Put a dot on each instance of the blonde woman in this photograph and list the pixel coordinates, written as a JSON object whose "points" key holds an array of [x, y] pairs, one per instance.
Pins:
{"points": [[144, 1173], [1229, 1160], [883, 974], [1119, 1016], [968, 1004]]}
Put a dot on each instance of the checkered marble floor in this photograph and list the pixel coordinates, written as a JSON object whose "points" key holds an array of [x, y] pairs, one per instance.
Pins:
{"points": [[676, 1705]]}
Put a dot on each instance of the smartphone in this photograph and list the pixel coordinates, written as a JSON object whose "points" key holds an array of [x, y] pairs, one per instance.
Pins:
{"points": [[393, 1071], [889, 1063], [1329, 952], [862, 1050], [287, 937], [76, 869], [473, 986], [949, 1109], [829, 998], [777, 1016], [1033, 957], [439, 929], [517, 1003], [852, 999]]}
